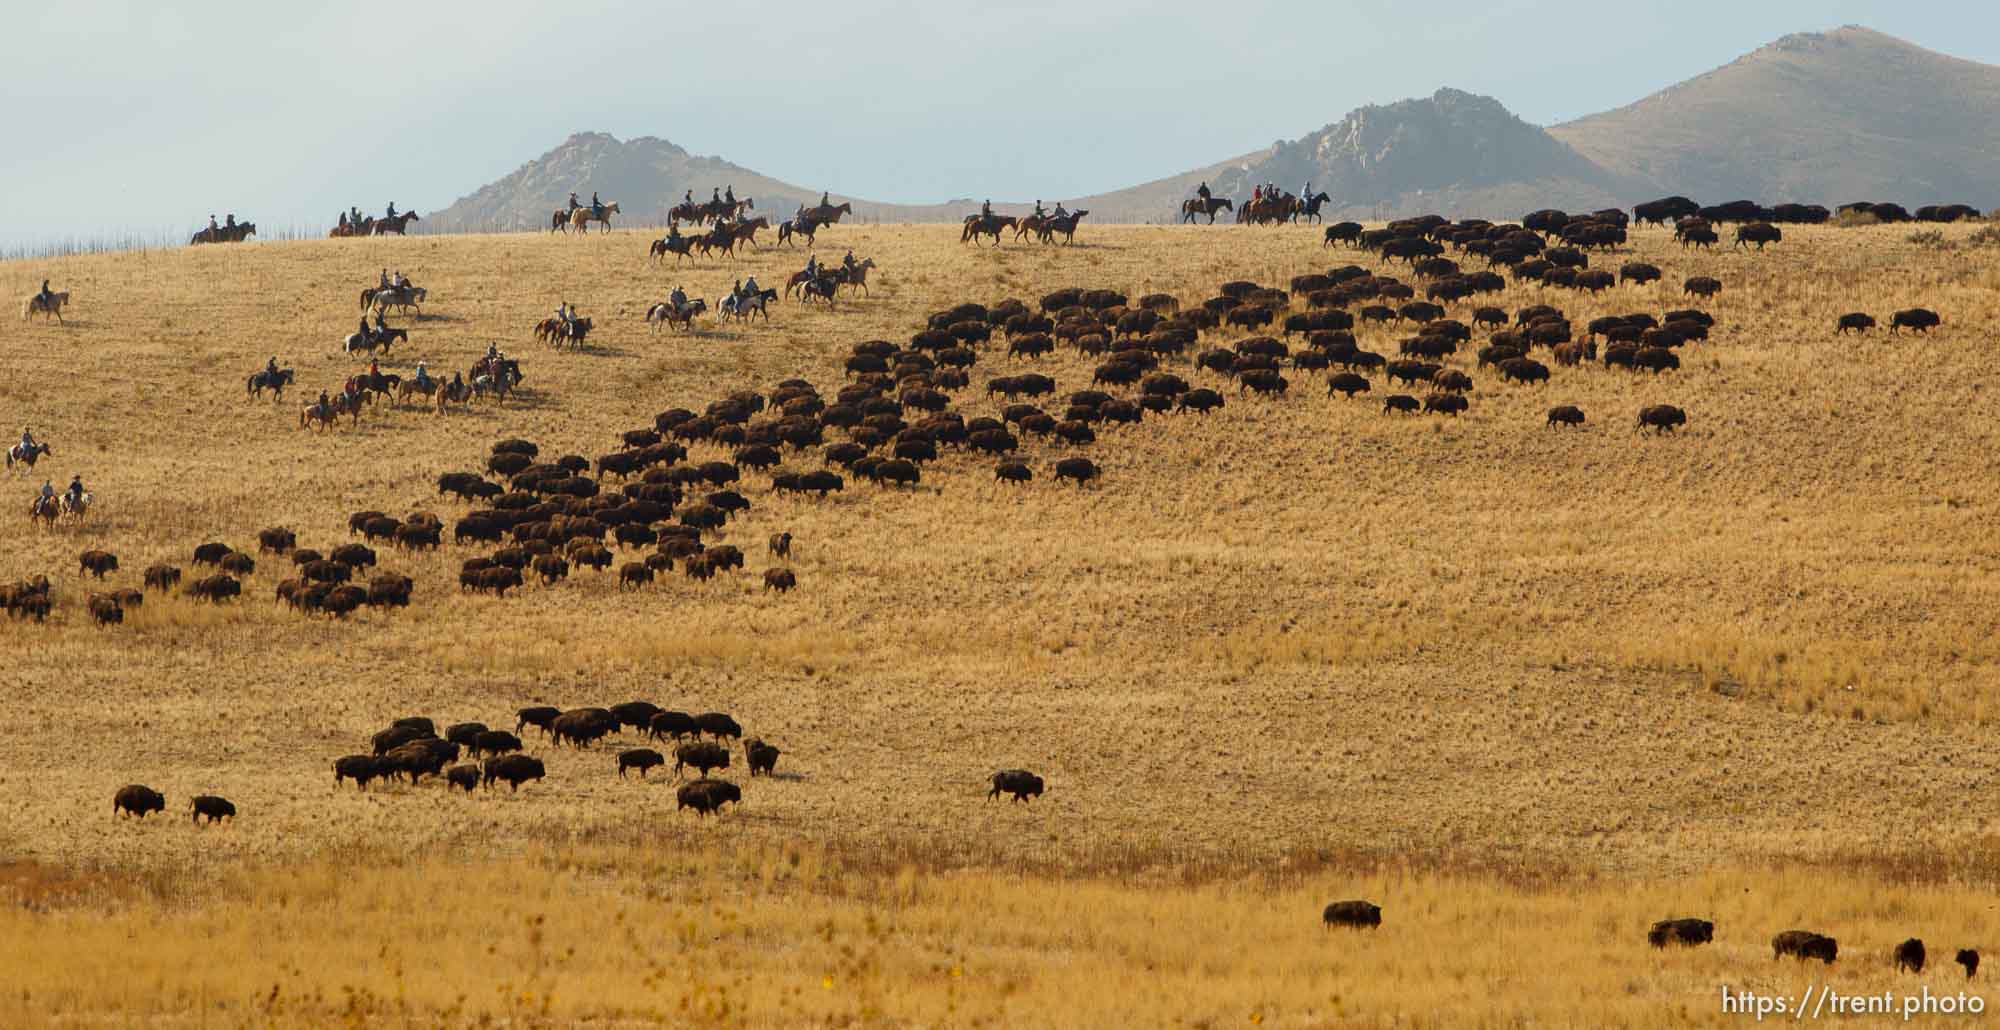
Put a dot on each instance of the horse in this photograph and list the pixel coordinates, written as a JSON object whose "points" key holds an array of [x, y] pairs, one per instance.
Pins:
{"points": [[741, 305], [823, 287], [265, 379], [426, 387], [1065, 225], [581, 218], [803, 225], [74, 506], [49, 306], [457, 392], [368, 385], [747, 230], [857, 276], [1197, 206], [573, 331], [986, 225], [375, 339], [318, 416], [26, 455], [500, 370], [345, 230], [398, 225], [44, 509], [682, 316], [678, 246], [1030, 224], [1308, 208], [402, 298], [224, 234], [829, 214]]}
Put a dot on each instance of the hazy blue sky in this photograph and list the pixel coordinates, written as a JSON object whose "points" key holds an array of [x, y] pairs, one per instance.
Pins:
{"points": [[147, 116]]}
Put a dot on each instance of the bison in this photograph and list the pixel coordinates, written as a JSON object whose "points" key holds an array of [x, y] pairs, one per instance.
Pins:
{"points": [[1920, 320], [706, 796], [1662, 418], [702, 756], [137, 800], [513, 769], [1359, 915], [640, 758], [1805, 944], [211, 808], [1688, 932], [360, 769], [1019, 783], [1909, 956], [763, 757]]}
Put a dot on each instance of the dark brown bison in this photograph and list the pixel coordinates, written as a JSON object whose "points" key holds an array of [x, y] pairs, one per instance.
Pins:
{"points": [[464, 734], [162, 577], [1347, 383], [763, 757], [1359, 915], [780, 580], [1524, 370], [706, 796], [211, 808], [465, 777], [276, 540], [1909, 956], [672, 726], [1688, 932], [514, 770], [1969, 958], [702, 756], [1399, 402], [1081, 470], [640, 758], [216, 589], [137, 800], [1019, 783], [211, 553], [1702, 286], [236, 563], [360, 769], [1565, 415], [1758, 233], [493, 742], [1920, 320], [541, 717], [1446, 404], [1662, 418], [1805, 944], [1854, 321], [97, 563]]}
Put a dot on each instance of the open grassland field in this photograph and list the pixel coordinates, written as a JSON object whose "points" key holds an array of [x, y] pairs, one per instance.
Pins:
{"points": [[1527, 688]]}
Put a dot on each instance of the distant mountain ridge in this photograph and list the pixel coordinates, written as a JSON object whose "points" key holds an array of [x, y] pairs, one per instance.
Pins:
{"points": [[1850, 114]]}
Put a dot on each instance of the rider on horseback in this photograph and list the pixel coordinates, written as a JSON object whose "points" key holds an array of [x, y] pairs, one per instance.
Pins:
{"points": [[751, 289], [715, 195], [812, 267], [1060, 213], [76, 491], [688, 197], [398, 281], [1039, 212], [848, 261], [986, 209], [271, 367], [823, 199], [343, 220], [46, 295], [385, 279], [677, 299], [363, 332], [1202, 191], [27, 441], [392, 210], [596, 207], [374, 370], [230, 223], [48, 495], [729, 196], [423, 377], [573, 205], [381, 327]]}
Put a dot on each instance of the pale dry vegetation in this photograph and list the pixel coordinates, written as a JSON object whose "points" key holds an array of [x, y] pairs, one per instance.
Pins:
{"points": [[1294, 631]]}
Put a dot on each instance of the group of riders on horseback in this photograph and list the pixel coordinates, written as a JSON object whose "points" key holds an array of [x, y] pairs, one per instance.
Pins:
{"points": [[353, 223], [230, 231], [351, 220], [1267, 204], [48, 504]]}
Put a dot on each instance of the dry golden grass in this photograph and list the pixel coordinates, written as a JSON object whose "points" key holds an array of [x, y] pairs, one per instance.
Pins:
{"points": [[1296, 630]]}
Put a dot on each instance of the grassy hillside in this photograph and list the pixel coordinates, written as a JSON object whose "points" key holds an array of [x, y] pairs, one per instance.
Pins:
{"points": [[1828, 117], [1297, 634]]}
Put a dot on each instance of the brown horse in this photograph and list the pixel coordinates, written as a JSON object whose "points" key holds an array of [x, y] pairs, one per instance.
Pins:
{"points": [[856, 277], [365, 227], [457, 392], [986, 225], [48, 307], [1065, 225], [1030, 224], [803, 225], [398, 225], [409, 388], [1197, 206], [828, 214]]}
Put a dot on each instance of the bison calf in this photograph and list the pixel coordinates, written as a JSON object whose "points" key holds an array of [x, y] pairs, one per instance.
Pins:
{"points": [[212, 808]]}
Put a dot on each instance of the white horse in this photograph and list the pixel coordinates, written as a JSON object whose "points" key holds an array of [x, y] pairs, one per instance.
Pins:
{"points": [[740, 306], [401, 299], [51, 305]]}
